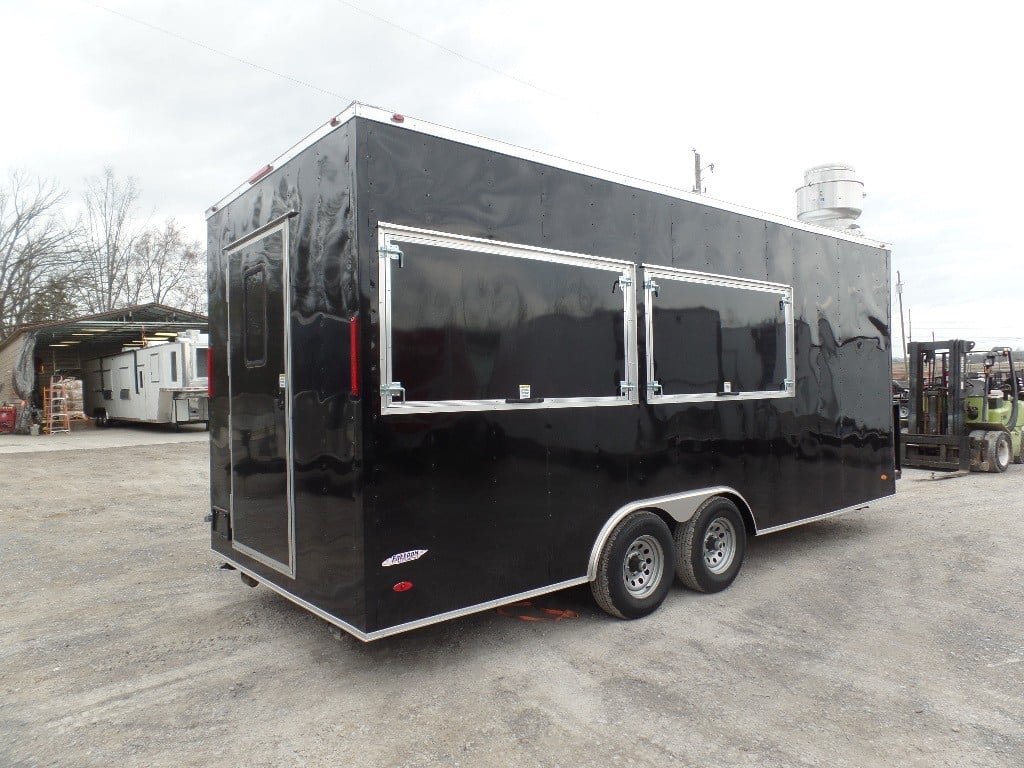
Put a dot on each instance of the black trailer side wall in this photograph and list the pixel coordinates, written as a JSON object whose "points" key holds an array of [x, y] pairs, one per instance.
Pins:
{"points": [[513, 500], [508, 501], [319, 185]]}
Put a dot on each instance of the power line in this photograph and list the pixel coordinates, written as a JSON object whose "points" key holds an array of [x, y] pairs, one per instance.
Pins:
{"points": [[211, 49], [451, 51]]}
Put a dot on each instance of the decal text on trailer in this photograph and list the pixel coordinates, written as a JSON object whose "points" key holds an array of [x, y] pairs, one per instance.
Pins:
{"points": [[404, 557]]}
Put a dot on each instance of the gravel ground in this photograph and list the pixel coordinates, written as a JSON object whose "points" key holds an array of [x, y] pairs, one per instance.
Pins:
{"points": [[890, 637]]}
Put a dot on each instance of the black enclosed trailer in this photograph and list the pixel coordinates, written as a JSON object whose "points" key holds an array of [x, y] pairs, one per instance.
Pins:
{"points": [[450, 374]]}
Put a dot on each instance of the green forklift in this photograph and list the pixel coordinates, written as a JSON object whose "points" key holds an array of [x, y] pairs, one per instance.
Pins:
{"points": [[965, 409]]}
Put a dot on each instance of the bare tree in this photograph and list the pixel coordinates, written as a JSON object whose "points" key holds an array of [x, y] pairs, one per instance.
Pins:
{"points": [[165, 268], [108, 236], [34, 248]]}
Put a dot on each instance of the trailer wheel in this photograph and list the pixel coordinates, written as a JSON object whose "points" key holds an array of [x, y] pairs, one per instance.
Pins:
{"points": [[100, 417], [1019, 458], [633, 569], [709, 547], [999, 451]]}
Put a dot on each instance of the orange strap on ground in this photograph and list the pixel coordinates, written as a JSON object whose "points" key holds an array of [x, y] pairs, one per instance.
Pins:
{"points": [[552, 614]]}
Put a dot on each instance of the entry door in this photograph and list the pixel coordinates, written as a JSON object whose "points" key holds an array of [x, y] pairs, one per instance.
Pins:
{"points": [[262, 508]]}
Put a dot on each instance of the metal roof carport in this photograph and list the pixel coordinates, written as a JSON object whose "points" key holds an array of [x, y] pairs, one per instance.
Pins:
{"points": [[62, 346]]}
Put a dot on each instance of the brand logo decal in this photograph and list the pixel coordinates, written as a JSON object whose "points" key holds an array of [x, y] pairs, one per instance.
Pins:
{"points": [[404, 557]]}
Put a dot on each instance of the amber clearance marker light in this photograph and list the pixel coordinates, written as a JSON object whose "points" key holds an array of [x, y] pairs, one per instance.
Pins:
{"points": [[885, 477], [402, 586]]}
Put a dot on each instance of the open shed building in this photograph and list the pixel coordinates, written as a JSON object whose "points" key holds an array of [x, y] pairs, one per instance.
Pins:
{"points": [[33, 354]]}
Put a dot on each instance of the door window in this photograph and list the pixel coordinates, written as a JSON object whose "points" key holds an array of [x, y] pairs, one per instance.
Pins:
{"points": [[254, 313]]}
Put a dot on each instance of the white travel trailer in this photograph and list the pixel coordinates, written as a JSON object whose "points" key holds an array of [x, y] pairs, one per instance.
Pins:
{"points": [[164, 382]]}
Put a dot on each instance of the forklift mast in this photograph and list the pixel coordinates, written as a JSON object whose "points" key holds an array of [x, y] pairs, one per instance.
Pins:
{"points": [[937, 373]]}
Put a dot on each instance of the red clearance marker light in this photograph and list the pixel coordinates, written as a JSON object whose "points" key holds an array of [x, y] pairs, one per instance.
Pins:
{"points": [[402, 586], [397, 118], [261, 173], [353, 347]]}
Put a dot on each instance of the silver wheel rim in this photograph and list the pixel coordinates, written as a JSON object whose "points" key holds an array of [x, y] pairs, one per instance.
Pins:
{"points": [[719, 545], [643, 566], [1003, 452]]}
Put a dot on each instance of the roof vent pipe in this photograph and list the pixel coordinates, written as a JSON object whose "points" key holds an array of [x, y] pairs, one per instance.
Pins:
{"points": [[831, 197]]}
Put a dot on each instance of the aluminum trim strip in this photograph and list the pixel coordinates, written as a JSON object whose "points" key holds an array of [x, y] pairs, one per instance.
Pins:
{"points": [[358, 633], [408, 626], [404, 234], [712, 278], [816, 518], [378, 115], [258, 233], [477, 608], [311, 138], [708, 397], [681, 506], [454, 406], [259, 557]]}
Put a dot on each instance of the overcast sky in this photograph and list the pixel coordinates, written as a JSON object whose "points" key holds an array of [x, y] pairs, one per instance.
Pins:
{"points": [[921, 98]]}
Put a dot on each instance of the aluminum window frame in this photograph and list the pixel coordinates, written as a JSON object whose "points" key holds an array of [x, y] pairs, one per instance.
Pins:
{"points": [[389, 239], [652, 273]]}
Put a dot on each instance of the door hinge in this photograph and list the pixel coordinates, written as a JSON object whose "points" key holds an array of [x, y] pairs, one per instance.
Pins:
{"points": [[788, 385], [625, 388], [394, 253], [393, 390], [624, 281], [653, 287], [654, 389], [784, 302]]}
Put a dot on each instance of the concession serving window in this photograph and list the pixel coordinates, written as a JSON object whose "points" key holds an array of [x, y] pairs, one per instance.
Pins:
{"points": [[469, 324], [712, 337]]}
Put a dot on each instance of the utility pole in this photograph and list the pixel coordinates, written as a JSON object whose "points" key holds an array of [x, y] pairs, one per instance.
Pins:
{"points": [[899, 294], [698, 185]]}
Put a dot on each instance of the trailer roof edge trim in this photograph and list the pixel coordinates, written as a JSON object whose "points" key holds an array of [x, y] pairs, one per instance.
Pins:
{"points": [[376, 114]]}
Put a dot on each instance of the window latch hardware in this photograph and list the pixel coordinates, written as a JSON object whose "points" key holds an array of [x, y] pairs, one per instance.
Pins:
{"points": [[393, 390], [394, 253], [653, 287]]}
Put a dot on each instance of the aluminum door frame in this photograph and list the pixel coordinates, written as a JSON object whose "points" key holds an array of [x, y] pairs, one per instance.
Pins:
{"points": [[280, 224]]}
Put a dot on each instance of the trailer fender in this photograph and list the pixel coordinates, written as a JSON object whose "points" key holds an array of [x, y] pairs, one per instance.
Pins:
{"points": [[678, 507]]}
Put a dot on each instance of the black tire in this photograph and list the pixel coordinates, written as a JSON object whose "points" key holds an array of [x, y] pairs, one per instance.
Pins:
{"points": [[1000, 450], [101, 419], [710, 546], [634, 571], [1019, 458]]}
